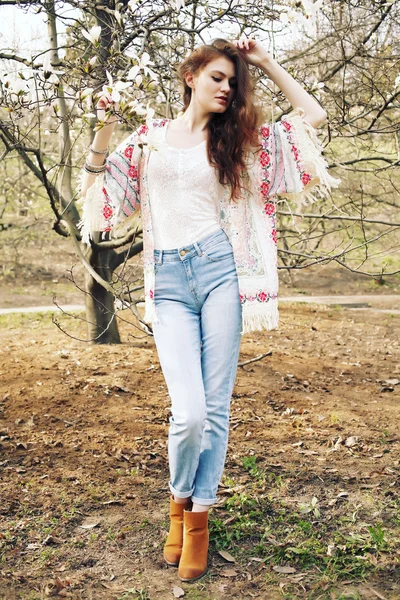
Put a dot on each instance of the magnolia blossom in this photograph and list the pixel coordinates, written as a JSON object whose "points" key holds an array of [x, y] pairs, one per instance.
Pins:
{"points": [[118, 17], [112, 90], [18, 86], [93, 34], [178, 4], [132, 4], [49, 71], [308, 19], [311, 8], [86, 93], [144, 61]]}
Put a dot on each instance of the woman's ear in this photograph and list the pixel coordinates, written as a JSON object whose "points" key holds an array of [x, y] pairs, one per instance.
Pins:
{"points": [[189, 79]]}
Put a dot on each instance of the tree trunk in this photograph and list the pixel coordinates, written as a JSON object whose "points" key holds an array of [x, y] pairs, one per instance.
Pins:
{"points": [[100, 312]]}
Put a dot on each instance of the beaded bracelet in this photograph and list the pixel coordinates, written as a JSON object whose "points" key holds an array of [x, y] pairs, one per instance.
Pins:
{"points": [[99, 152], [94, 171], [92, 166]]}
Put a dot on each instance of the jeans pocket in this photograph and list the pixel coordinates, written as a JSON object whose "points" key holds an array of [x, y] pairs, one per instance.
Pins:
{"points": [[220, 251]]}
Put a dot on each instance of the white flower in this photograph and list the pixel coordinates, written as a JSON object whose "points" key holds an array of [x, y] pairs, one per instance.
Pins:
{"points": [[82, 94], [93, 34], [132, 4], [150, 112], [53, 79], [178, 4], [311, 8], [143, 61], [112, 90], [93, 61], [118, 17], [133, 72], [397, 81], [18, 87]]}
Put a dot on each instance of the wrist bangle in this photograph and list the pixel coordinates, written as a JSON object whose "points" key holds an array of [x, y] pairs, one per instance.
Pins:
{"points": [[92, 166], [99, 152], [92, 171]]}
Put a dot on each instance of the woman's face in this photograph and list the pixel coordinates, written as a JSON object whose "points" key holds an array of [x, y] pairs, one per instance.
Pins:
{"points": [[213, 89]]}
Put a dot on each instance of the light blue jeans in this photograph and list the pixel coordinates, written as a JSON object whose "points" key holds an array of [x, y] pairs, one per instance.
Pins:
{"points": [[198, 339]]}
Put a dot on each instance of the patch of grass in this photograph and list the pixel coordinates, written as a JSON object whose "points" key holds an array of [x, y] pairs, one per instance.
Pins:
{"points": [[134, 594], [302, 535]]}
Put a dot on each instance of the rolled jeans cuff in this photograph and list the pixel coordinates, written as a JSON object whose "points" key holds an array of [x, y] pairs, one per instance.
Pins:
{"points": [[204, 501], [175, 492]]}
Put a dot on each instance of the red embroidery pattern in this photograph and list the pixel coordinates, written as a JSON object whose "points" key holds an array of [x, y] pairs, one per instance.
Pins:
{"points": [[260, 296], [264, 188], [305, 177], [107, 211], [160, 122], [269, 209], [128, 151], [143, 130], [133, 172], [265, 160]]}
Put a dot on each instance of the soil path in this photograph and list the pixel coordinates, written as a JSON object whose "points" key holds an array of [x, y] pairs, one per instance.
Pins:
{"points": [[386, 303], [308, 506]]}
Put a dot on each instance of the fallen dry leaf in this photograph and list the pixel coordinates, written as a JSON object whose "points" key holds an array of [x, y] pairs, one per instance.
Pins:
{"points": [[279, 569], [178, 592], [51, 539], [228, 573], [89, 524], [377, 594], [226, 556], [351, 441]]}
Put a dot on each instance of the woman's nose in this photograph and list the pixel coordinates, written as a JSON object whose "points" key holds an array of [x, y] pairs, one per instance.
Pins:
{"points": [[225, 87]]}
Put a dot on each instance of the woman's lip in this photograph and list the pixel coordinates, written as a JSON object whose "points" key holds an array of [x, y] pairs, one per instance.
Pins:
{"points": [[222, 99]]}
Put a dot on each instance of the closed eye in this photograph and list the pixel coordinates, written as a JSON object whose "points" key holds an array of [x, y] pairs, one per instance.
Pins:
{"points": [[232, 84]]}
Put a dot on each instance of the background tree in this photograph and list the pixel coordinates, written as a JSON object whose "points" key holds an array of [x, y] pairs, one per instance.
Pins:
{"points": [[345, 52]]}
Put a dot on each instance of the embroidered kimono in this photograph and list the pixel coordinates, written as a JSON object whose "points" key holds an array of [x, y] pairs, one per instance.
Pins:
{"points": [[289, 164]]}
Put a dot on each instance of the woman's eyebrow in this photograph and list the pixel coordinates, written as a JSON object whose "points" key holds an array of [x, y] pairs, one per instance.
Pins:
{"points": [[222, 73]]}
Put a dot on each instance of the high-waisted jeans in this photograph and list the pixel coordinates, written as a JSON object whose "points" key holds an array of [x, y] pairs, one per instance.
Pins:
{"points": [[198, 337]]}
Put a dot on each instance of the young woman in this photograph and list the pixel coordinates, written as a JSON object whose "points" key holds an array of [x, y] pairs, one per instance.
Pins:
{"points": [[206, 184]]}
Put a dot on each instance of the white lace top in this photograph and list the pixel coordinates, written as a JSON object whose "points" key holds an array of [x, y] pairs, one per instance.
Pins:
{"points": [[184, 195]]}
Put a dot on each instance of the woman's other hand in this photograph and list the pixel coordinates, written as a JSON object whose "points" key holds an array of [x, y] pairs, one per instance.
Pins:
{"points": [[106, 108], [254, 52]]}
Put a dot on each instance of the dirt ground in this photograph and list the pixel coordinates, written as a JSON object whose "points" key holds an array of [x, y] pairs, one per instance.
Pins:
{"points": [[309, 504]]}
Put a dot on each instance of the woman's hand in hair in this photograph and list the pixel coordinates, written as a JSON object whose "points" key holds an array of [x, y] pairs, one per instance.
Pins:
{"points": [[254, 51]]}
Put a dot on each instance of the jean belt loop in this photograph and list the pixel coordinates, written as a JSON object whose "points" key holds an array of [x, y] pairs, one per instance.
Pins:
{"points": [[160, 258], [197, 248]]}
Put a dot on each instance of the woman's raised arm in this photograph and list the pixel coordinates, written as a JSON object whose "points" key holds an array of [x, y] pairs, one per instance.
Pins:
{"points": [[257, 55]]}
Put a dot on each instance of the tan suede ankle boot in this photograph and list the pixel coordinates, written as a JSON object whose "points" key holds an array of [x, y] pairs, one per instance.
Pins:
{"points": [[173, 545], [193, 563]]}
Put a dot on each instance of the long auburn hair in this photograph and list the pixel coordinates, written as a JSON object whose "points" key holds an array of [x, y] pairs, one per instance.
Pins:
{"points": [[234, 132]]}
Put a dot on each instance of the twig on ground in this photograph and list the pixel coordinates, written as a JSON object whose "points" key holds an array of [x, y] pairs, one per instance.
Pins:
{"points": [[251, 360]]}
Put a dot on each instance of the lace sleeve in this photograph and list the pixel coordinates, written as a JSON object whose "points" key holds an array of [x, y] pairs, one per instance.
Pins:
{"points": [[114, 196], [292, 162]]}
